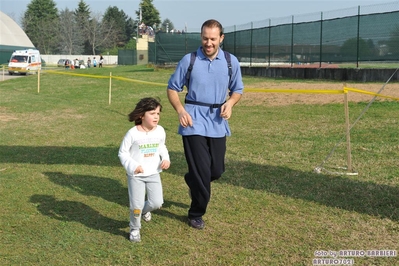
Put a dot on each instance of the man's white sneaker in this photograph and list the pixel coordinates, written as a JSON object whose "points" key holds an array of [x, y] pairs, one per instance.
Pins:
{"points": [[135, 236], [147, 216]]}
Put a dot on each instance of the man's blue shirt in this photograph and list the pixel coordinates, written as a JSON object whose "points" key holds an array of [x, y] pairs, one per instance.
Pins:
{"points": [[209, 83]]}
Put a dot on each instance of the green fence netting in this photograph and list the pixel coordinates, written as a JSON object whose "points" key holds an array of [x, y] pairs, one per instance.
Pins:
{"points": [[343, 36], [127, 57], [170, 48], [359, 38]]}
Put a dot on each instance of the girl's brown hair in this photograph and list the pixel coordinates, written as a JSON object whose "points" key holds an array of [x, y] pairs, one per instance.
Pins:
{"points": [[144, 105]]}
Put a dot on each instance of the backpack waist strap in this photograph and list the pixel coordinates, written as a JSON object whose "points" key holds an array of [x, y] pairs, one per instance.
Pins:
{"points": [[210, 105]]}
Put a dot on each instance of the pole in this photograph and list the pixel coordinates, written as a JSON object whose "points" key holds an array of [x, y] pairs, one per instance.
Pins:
{"points": [[292, 41], [358, 38], [110, 86], [250, 47], [235, 39], [348, 137], [3, 72], [321, 39], [270, 34], [38, 80]]}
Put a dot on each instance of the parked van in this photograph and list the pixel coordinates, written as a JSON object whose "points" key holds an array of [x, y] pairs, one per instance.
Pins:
{"points": [[24, 61]]}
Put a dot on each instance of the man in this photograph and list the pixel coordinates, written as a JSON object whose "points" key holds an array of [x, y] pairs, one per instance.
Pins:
{"points": [[203, 119]]}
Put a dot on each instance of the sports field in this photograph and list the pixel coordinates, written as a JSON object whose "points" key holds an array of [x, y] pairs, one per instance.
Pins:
{"points": [[64, 194]]}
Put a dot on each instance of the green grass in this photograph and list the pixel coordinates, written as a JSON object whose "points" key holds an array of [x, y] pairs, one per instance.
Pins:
{"points": [[64, 195]]}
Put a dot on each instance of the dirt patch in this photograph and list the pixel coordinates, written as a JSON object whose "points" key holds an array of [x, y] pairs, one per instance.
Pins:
{"points": [[4, 117], [44, 118], [278, 99], [322, 65]]}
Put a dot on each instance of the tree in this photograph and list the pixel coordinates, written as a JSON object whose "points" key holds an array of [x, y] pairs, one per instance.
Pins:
{"points": [[393, 42], [167, 25], [100, 34], [149, 14], [70, 37], [40, 23], [131, 29], [349, 48], [119, 19], [82, 18], [82, 13]]}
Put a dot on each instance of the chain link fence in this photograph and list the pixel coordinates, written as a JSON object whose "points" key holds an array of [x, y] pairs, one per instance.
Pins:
{"points": [[359, 34]]}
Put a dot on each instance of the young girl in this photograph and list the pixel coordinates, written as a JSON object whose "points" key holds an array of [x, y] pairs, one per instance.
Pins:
{"points": [[144, 155]]}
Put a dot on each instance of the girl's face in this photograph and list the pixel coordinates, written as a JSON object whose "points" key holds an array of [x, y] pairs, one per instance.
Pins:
{"points": [[150, 119]]}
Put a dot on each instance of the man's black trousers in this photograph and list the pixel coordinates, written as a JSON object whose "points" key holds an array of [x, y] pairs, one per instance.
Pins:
{"points": [[205, 160]]}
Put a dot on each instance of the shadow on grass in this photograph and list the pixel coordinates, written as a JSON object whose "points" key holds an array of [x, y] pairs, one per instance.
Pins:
{"points": [[109, 189], [73, 211], [332, 191], [102, 156], [167, 205]]}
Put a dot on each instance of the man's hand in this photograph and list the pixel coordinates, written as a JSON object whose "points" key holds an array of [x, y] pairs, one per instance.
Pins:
{"points": [[185, 119], [226, 110]]}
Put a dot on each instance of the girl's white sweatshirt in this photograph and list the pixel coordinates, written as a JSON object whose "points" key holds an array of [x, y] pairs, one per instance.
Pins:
{"points": [[147, 149]]}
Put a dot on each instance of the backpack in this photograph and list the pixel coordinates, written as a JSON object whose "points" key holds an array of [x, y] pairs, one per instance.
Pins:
{"points": [[192, 60], [190, 68]]}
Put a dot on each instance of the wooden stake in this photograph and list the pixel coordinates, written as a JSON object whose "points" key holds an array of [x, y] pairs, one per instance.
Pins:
{"points": [[348, 137], [38, 81], [110, 87]]}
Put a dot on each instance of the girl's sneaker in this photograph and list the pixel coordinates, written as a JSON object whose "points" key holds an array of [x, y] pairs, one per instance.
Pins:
{"points": [[135, 236], [147, 216]]}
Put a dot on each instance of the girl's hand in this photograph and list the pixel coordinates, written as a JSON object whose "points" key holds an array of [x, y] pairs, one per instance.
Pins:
{"points": [[165, 165], [139, 170]]}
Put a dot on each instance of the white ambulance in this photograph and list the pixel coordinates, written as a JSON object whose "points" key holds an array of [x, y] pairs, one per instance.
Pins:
{"points": [[24, 62]]}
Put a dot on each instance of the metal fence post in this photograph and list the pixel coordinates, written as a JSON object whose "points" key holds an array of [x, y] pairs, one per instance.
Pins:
{"points": [[321, 39], [270, 38], [358, 38], [250, 48], [235, 39], [292, 41], [185, 44]]}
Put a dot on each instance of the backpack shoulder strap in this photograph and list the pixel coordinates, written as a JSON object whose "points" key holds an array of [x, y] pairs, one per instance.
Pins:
{"points": [[190, 67], [228, 59], [192, 60]]}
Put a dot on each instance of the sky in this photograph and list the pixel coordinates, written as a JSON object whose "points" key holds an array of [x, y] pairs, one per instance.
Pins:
{"points": [[190, 14]]}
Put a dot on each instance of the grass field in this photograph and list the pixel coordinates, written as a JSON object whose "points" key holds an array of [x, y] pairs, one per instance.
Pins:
{"points": [[64, 194]]}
